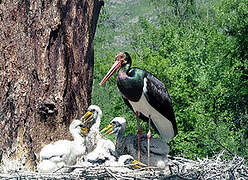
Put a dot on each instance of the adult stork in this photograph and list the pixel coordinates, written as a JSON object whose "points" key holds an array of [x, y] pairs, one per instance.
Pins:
{"points": [[146, 96]]}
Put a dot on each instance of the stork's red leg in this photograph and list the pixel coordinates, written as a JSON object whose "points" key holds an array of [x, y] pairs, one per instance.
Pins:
{"points": [[149, 140], [139, 134]]}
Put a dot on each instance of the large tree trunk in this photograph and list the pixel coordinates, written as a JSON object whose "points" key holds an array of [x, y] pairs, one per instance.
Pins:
{"points": [[46, 73]]}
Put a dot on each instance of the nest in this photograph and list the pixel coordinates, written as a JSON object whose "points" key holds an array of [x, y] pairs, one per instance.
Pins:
{"points": [[178, 168]]}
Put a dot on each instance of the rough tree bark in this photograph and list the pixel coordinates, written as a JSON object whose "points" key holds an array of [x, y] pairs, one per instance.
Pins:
{"points": [[46, 73]]}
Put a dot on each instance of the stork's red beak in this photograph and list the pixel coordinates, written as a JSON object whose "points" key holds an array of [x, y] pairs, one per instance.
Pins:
{"points": [[115, 66]]}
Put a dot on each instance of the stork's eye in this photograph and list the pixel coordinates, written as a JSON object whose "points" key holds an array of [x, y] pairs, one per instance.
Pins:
{"points": [[113, 123], [121, 57]]}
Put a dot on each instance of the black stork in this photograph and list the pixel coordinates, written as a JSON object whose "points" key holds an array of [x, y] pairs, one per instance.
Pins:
{"points": [[146, 96]]}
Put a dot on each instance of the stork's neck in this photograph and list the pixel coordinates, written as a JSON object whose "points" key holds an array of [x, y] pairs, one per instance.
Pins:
{"points": [[120, 134], [78, 144], [130, 83], [126, 68], [78, 138], [96, 125]]}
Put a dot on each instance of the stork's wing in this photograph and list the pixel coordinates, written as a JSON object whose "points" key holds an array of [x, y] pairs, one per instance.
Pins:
{"points": [[159, 147], [158, 97]]}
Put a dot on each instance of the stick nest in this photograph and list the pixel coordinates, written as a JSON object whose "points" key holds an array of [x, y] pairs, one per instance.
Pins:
{"points": [[178, 168]]}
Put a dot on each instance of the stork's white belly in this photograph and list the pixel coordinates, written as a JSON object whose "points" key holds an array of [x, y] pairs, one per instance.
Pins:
{"points": [[163, 125]]}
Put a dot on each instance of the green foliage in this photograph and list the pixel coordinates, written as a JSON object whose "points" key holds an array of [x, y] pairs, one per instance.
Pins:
{"points": [[199, 50], [233, 17]]}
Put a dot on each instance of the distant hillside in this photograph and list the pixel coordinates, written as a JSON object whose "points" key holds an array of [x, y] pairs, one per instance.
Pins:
{"points": [[119, 16]]}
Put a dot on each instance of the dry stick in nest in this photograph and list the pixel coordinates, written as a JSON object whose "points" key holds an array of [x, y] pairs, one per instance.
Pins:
{"points": [[230, 169], [120, 175], [213, 168], [100, 166], [111, 174]]}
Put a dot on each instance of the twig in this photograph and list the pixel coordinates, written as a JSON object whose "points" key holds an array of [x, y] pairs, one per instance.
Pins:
{"points": [[58, 169], [219, 143], [111, 174]]}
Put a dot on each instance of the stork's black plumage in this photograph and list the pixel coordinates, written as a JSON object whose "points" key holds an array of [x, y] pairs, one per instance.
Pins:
{"points": [[146, 94]]}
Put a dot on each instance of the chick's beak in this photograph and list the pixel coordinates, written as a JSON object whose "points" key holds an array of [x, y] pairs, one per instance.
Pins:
{"points": [[87, 117], [137, 164], [85, 131], [108, 129]]}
